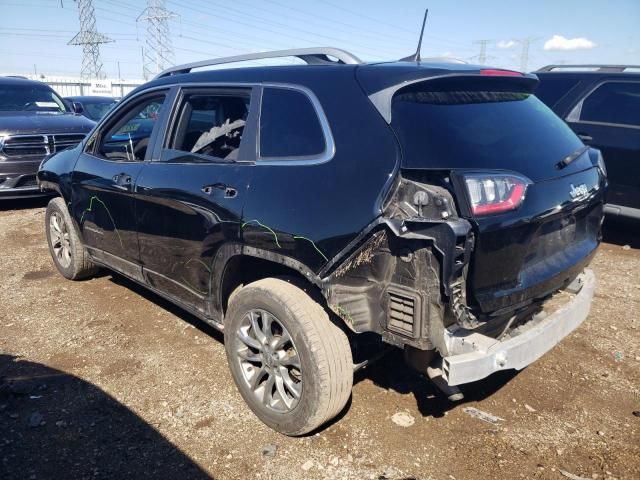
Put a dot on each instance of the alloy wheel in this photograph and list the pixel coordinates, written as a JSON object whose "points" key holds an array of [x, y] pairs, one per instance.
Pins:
{"points": [[60, 239], [269, 361]]}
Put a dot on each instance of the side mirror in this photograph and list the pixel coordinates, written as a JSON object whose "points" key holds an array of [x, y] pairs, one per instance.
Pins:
{"points": [[77, 107]]}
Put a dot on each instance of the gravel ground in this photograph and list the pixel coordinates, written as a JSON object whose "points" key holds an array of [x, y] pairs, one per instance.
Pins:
{"points": [[101, 379]]}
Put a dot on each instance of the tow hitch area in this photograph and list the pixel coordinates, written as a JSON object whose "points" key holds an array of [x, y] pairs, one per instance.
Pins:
{"points": [[472, 356]]}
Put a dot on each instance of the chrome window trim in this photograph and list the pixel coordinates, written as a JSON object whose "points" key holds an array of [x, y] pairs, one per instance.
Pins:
{"points": [[329, 144], [330, 147], [576, 111]]}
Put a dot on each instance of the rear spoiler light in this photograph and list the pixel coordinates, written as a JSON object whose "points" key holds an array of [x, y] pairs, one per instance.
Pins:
{"points": [[500, 73]]}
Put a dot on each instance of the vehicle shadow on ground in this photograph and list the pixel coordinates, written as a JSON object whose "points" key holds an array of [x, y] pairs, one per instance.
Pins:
{"points": [[166, 305], [24, 203], [621, 232], [55, 425], [392, 373]]}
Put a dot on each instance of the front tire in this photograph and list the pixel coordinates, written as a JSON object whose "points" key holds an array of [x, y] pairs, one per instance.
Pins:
{"points": [[291, 364], [66, 248]]}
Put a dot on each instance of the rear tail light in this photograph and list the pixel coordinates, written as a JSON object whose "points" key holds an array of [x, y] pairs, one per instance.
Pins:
{"points": [[495, 193]]}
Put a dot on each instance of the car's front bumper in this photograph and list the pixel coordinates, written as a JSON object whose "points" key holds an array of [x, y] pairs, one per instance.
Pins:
{"points": [[473, 356], [18, 179]]}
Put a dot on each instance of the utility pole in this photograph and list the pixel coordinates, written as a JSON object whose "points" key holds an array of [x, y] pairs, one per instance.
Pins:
{"points": [[482, 56], [90, 40], [524, 56], [159, 52]]}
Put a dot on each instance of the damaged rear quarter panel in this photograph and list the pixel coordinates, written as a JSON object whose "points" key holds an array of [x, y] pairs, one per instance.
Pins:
{"points": [[391, 282]]}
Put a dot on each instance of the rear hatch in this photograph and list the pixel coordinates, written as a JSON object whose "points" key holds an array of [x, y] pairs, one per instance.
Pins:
{"points": [[493, 136]]}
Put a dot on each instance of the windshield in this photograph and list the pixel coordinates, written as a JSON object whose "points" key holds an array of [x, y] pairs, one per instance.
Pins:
{"points": [[478, 128], [30, 98], [97, 110]]}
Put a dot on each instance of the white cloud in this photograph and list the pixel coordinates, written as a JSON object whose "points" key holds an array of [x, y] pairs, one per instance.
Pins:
{"points": [[558, 42], [505, 43]]}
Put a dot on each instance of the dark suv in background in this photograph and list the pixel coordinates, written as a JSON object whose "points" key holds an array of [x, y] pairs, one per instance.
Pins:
{"points": [[91, 106], [601, 103], [34, 122], [438, 207]]}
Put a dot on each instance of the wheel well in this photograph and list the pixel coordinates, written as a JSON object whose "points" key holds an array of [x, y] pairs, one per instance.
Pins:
{"points": [[243, 269]]}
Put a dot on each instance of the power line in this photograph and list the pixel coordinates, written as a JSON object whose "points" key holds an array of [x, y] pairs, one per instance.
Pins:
{"points": [[159, 52], [90, 39], [260, 22]]}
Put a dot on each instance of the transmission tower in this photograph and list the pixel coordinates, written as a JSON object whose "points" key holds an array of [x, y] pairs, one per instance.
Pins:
{"points": [[158, 53], [482, 56], [90, 40], [524, 56]]}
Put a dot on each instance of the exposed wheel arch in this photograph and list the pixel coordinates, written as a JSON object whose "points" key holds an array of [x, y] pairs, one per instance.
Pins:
{"points": [[240, 266]]}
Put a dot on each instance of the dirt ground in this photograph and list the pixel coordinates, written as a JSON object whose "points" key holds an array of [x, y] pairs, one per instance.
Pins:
{"points": [[101, 379]]}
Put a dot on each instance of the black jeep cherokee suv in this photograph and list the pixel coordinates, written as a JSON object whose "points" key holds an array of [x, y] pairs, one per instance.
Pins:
{"points": [[34, 122], [441, 206], [601, 103]]}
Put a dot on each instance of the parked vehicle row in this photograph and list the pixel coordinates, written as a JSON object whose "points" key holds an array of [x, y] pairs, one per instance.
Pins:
{"points": [[36, 122], [440, 206]]}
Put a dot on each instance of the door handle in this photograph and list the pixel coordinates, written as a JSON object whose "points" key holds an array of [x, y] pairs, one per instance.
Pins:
{"points": [[585, 138], [229, 192], [122, 179]]}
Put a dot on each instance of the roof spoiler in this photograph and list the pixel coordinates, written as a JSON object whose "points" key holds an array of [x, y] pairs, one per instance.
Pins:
{"points": [[382, 99]]}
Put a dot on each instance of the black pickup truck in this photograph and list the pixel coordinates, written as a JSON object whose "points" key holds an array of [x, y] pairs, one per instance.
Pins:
{"points": [[34, 122]]}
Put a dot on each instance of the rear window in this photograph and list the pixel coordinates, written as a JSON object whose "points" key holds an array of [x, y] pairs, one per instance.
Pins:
{"points": [[552, 89], [289, 125], [479, 128]]}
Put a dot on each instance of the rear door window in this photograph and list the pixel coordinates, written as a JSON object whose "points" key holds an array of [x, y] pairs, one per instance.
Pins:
{"points": [[211, 125], [289, 126], [612, 102]]}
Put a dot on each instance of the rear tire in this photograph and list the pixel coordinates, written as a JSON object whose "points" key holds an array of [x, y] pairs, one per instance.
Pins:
{"points": [[315, 362], [66, 249]]}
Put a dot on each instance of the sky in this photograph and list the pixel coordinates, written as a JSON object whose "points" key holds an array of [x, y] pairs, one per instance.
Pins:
{"points": [[34, 33]]}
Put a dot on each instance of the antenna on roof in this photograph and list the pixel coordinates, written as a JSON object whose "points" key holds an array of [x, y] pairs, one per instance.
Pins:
{"points": [[416, 56]]}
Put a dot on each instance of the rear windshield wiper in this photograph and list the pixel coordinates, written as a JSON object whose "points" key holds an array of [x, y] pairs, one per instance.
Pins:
{"points": [[570, 158]]}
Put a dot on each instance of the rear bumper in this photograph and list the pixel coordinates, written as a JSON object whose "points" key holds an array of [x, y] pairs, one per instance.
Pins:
{"points": [[473, 356]]}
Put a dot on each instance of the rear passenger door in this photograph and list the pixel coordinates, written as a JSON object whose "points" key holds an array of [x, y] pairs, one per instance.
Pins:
{"points": [[608, 118], [192, 192]]}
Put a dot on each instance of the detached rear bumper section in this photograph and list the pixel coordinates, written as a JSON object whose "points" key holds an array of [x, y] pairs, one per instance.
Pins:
{"points": [[472, 356]]}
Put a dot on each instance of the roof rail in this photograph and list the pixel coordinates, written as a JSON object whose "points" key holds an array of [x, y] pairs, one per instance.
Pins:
{"points": [[313, 56], [594, 67]]}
